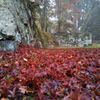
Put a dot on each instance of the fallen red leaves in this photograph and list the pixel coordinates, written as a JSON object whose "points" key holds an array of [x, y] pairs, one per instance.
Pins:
{"points": [[49, 74]]}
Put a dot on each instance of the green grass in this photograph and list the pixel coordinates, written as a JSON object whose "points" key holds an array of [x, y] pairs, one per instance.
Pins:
{"points": [[94, 46]]}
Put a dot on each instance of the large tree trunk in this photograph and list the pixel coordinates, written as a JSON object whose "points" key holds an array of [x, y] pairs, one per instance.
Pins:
{"points": [[16, 14]]}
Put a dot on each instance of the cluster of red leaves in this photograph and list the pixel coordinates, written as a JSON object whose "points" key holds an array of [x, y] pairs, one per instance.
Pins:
{"points": [[50, 74]]}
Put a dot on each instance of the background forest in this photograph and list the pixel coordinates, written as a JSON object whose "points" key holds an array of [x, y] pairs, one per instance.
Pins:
{"points": [[51, 23]]}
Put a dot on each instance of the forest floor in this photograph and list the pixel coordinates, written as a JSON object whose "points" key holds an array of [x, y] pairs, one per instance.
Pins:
{"points": [[50, 74]]}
